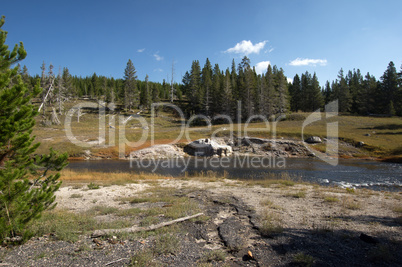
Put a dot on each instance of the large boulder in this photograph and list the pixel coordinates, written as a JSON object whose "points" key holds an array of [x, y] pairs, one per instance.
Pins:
{"points": [[207, 148], [157, 151], [313, 140]]}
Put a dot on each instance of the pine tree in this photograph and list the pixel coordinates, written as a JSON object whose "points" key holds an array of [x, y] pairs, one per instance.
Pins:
{"points": [[195, 91], [282, 92], [355, 82], [216, 91], [317, 99], [269, 93], [21, 199], [227, 100], [233, 80], [366, 97], [206, 84], [70, 90], [186, 83], [305, 89], [147, 97], [295, 94], [389, 90], [246, 87], [341, 93], [131, 94], [327, 93]]}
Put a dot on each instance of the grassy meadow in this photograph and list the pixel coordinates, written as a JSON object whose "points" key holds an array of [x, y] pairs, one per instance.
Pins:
{"points": [[382, 137]]}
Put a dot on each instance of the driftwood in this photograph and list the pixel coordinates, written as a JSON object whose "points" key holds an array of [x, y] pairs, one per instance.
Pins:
{"points": [[133, 229], [112, 262]]}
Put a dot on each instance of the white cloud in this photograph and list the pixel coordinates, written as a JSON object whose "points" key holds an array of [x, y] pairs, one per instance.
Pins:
{"points": [[158, 70], [261, 67], [247, 47], [308, 62], [158, 57], [141, 50], [290, 80]]}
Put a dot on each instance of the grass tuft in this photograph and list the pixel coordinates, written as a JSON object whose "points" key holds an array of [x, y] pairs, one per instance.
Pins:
{"points": [[93, 186], [214, 255], [303, 259], [270, 225], [330, 199], [350, 203], [166, 244], [299, 194]]}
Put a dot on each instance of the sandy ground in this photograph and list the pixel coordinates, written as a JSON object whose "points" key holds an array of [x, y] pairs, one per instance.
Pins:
{"points": [[296, 212], [324, 222]]}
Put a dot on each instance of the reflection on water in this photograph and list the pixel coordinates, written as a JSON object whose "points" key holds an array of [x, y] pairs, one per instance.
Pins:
{"points": [[349, 173]]}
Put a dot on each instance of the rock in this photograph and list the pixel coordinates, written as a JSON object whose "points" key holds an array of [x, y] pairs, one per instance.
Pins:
{"points": [[253, 140], [367, 134], [368, 239], [207, 148], [360, 144], [313, 140], [230, 231], [157, 151]]}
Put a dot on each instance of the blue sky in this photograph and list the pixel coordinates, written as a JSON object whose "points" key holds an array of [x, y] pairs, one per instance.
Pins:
{"points": [[100, 36]]}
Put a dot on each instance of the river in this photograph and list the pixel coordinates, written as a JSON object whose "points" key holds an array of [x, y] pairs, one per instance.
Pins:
{"points": [[348, 173]]}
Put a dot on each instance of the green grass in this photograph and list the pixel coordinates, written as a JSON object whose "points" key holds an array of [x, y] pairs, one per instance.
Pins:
{"points": [[397, 208], [331, 199], [141, 200], [271, 224], [303, 259], [93, 186], [350, 203], [273, 179], [166, 244], [68, 226], [299, 194], [103, 210], [350, 190], [143, 258], [128, 212], [214, 255]]}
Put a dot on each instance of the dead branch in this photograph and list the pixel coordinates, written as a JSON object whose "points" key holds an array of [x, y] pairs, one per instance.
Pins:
{"points": [[133, 229], [112, 262]]}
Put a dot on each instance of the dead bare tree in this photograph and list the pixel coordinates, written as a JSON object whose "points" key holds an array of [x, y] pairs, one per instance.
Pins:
{"points": [[171, 88]]}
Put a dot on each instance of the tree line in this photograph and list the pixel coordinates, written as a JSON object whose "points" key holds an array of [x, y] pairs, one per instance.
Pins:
{"points": [[211, 91], [356, 94]]}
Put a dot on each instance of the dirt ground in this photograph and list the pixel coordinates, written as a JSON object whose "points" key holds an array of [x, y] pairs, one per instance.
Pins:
{"points": [[273, 224]]}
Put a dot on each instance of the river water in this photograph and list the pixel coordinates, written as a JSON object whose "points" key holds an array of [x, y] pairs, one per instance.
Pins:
{"points": [[348, 173]]}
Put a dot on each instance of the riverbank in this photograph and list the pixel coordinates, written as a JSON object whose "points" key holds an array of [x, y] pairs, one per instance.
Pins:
{"points": [[359, 137], [256, 223]]}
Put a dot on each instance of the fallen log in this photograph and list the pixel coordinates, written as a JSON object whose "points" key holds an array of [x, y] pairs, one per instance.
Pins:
{"points": [[133, 229]]}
